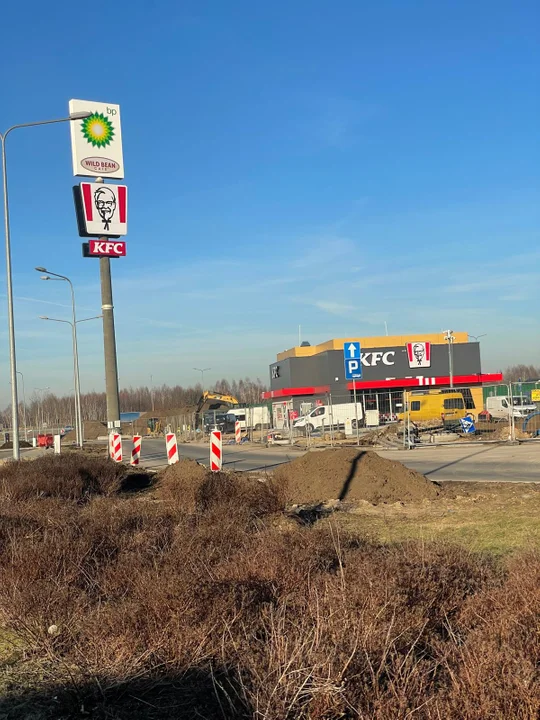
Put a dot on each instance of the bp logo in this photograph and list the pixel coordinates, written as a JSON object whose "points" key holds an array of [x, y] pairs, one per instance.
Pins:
{"points": [[98, 130]]}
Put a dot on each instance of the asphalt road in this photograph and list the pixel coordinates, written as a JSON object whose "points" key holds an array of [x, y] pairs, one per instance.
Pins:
{"points": [[469, 463], [486, 463], [153, 454]]}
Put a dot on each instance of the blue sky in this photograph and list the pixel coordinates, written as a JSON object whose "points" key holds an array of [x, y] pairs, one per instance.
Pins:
{"points": [[335, 165]]}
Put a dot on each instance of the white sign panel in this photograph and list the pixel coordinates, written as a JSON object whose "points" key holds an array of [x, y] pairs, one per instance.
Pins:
{"points": [[419, 354], [96, 141], [104, 209]]}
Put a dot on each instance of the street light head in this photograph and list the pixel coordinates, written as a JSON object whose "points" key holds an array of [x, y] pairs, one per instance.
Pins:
{"points": [[44, 277], [80, 115], [41, 269], [43, 317]]}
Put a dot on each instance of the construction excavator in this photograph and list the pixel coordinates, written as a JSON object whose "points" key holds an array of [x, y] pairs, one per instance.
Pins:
{"points": [[213, 401]]}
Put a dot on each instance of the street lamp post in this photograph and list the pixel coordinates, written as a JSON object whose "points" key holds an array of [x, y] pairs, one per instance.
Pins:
{"points": [[80, 433], [77, 388], [202, 371], [449, 337], [11, 320], [24, 407]]}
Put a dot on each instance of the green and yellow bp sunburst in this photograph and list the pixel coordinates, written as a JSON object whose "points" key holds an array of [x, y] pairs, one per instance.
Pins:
{"points": [[98, 130]]}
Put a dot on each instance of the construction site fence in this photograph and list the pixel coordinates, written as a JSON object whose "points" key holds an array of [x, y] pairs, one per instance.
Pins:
{"points": [[374, 409]]}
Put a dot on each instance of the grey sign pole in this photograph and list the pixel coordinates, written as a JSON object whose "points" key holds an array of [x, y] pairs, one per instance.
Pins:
{"points": [[356, 413], [109, 345]]}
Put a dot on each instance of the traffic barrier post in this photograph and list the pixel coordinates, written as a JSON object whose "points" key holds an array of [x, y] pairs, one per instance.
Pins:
{"points": [[237, 432], [172, 448], [116, 447], [136, 451], [216, 452]]}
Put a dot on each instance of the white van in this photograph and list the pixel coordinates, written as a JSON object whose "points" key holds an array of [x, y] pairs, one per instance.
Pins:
{"points": [[325, 415], [501, 407], [253, 417]]}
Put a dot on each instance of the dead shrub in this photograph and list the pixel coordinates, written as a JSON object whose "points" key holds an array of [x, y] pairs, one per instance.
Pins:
{"points": [[220, 612], [70, 477]]}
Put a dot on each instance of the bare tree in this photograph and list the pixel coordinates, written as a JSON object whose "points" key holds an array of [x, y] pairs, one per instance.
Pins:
{"points": [[59, 411], [515, 373]]}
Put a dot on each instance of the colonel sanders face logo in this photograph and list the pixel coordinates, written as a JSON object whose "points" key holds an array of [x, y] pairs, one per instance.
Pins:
{"points": [[105, 202], [419, 354]]}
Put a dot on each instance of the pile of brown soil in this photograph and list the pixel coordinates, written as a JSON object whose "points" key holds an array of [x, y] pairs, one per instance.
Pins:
{"points": [[192, 488], [181, 483], [92, 430], [386, 436], [350, 474], [503, 431], [9, 445]]}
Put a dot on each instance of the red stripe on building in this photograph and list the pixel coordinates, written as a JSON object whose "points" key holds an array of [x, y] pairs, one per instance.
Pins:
{"points": [[87, 199], [287, 392], [121, 190], [426, 382]]}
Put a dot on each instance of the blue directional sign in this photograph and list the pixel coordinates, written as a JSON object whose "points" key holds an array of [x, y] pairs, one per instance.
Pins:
{"points": [[467, 425], [351, 356]]}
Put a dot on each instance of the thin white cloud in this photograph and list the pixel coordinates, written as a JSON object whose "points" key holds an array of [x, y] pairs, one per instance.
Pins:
{"points": [[334, 308]]}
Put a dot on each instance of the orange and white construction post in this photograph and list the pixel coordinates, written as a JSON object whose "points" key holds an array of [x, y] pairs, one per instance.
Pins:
{"points": [[237, 432], [116, 447], [216, 451], [136, 450], [172, 448]]}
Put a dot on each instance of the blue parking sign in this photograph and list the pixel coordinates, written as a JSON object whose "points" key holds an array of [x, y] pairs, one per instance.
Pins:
{"points": [[352, 359]]}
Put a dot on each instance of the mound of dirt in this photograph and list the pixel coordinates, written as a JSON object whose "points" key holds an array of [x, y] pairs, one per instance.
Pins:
{"points": [[385, 436], [350, 474], [9, 445], [182, 482], [92, 430], [194, 489]]}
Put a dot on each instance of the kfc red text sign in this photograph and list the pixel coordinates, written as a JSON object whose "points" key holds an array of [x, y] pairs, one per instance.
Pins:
{"points": [[112, 248]]}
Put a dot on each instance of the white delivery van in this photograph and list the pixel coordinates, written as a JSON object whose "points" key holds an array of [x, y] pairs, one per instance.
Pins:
{"points": [[253, 417], [501, 407], [324, 415]]}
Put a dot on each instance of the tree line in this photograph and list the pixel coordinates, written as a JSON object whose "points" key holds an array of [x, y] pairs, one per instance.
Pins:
{"points": [[50, 410], [515, 373]]}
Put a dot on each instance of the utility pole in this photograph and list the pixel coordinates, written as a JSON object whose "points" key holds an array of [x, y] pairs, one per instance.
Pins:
{"points": [[109, 345]]}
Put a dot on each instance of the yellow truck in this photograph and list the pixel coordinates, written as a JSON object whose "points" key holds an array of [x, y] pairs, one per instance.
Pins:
{"points": [[434, 405]]}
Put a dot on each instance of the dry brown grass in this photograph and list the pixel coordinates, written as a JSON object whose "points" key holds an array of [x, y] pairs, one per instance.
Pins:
{"points": [[132, 606]]}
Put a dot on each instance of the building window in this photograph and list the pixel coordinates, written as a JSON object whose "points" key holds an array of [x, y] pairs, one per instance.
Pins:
{"points": [[415, 405], [454, 404]]}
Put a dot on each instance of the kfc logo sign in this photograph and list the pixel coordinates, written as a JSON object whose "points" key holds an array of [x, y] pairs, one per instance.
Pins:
{"points": [[370, 359], [104, 209], [107, 248], [419, 354]]}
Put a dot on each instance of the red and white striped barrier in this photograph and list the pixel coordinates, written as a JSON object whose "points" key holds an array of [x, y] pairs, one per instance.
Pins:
{"points": [[216, 454], [237, 432], [172, 448], [116, 447], [136, 451]]}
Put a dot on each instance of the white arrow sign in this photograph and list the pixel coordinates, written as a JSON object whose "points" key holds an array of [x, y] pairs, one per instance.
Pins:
{"points": [[352, 350]]}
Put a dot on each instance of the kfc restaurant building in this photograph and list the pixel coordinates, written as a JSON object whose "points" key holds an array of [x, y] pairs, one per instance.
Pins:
{"points": [[305, 376]]}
